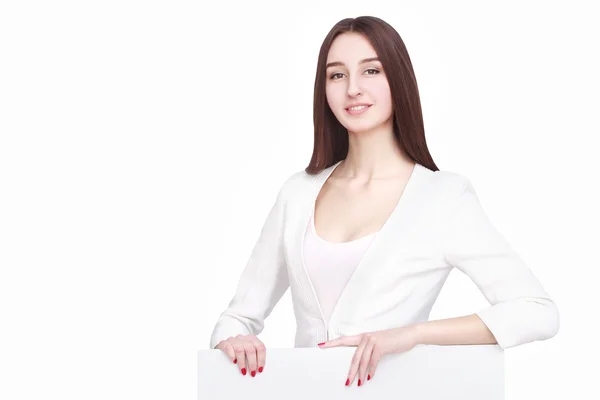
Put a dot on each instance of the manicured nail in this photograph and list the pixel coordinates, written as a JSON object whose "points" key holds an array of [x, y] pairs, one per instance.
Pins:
{"points": [[253, 373], [243, 371], [359, 382], [260, 369], [235, 361], [321, 344], [368, 377], [347, 381]]}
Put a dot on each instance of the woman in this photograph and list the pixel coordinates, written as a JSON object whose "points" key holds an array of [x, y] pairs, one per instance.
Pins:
{"points": [[367, 234]]}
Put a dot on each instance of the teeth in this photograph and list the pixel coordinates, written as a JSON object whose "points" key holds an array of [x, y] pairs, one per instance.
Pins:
{"points": [[357, 108]]}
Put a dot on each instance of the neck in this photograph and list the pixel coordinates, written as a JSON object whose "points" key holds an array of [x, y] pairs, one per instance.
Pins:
{"points": [[374, 154]]}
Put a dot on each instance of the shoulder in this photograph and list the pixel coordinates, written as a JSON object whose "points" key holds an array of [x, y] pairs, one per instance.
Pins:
{"points": [[297, 183], [448, 184]]}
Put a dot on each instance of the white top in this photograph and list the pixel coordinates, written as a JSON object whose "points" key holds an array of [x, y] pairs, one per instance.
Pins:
{"points": [[330, 265], [438, 224]]}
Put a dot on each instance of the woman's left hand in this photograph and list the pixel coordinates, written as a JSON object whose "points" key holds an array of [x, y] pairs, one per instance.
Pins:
{"points": [[372, 346]]}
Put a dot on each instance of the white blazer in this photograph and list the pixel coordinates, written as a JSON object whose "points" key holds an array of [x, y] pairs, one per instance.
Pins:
{"points": [[437, 224]]}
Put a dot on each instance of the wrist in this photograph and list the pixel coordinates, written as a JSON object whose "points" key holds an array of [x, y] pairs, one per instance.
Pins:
{"points": [[416, 333]]}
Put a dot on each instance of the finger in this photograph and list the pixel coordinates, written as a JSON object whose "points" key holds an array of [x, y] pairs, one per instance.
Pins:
{"points": [[229, 350], [261, 354], [250, 357], [240, 353], [331, 343], [343, 341], [366, 360], [356, 360], [375, 357]]}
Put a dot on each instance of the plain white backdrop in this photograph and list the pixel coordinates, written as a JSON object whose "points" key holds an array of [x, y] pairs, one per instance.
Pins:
{"points": [[142, 144]]}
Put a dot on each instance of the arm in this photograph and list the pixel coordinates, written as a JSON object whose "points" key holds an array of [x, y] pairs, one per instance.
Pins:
{"points": [[469, 329], [262, 283], [520, 310]]}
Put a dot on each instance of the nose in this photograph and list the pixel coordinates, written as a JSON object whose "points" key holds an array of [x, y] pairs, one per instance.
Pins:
{"points": [[353, 87]]}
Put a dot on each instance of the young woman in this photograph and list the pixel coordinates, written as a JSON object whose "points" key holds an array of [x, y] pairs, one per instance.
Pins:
{"points": [[367, 234]]}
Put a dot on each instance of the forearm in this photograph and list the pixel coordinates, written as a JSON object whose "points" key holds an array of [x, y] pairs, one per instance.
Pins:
{"points": [[466, 330]]}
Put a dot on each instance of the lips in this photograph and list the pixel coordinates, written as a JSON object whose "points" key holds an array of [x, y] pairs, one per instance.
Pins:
{"points": [[359, 111], [358, 105]]}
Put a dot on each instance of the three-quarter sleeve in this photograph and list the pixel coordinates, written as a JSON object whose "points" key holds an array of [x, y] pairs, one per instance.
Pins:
{"points": [[520, 310], [263, 281]]}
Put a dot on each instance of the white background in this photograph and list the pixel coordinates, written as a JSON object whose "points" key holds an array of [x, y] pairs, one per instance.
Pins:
{"points": [[142, 144]]}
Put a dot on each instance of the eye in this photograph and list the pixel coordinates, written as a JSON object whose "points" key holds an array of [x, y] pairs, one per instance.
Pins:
{"points": [[375, 72]]}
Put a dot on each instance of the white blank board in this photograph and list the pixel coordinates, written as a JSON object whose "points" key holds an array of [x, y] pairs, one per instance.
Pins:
{"points": [[426, 372]]}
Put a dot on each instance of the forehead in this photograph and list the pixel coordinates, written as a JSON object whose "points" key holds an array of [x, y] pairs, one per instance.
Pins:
{"points": [[349, 48]]}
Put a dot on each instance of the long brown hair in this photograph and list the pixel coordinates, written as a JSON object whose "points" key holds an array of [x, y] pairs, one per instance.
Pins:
{"points": [[331, 137]]}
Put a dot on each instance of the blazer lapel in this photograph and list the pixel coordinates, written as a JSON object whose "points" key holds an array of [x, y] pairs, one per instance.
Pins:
{"points": [[398, 223], [391, 236], [300, 227]]}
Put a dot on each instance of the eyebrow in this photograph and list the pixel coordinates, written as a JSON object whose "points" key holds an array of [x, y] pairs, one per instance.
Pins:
{"points": [[339, 63]]}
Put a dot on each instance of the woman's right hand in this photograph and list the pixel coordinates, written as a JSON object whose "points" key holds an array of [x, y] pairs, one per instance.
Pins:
{"points": [[247, 351]]}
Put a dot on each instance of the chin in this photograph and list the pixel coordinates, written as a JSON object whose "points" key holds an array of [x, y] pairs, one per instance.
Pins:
{"points": [[362, 126], [361, 129]]}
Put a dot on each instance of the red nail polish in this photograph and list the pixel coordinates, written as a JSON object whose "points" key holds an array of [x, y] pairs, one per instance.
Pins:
{"points": [[243, 371], [368, 377], [347, 381], [260, 369], [235, 361], [359, 382], [253, 373], [321, 344]]}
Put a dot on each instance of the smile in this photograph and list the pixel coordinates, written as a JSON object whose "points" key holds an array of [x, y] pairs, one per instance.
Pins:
{"points": [[357, 110]]}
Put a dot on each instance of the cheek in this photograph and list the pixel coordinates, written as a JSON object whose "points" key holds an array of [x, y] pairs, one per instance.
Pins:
{"points": [[333, 97], [382, 93]]}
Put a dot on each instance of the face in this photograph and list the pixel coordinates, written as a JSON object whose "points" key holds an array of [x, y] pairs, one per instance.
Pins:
{"points": [[351, 81]]}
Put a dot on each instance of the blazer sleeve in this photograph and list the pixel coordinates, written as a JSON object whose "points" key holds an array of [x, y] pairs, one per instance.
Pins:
{"points": [[262, 283], [520, 310]]}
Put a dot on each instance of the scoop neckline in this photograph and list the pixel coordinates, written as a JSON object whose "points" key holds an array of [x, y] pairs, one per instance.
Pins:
{"points": [[326, 173], [314, 230]]}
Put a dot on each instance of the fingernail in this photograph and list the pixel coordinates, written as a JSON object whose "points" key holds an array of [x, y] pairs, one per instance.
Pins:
{"points": [[235, 361], [359, 382], [347, 381], [368, 377], [260, 369], [321, 344], [253, 373], [243, 371]]}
